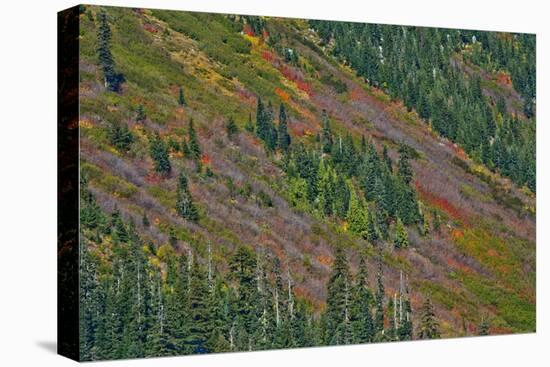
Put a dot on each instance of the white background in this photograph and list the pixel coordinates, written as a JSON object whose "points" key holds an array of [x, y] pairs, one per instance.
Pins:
{"points": [[28, 182]]}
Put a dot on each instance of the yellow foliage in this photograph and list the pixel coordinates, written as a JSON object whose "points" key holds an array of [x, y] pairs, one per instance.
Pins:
{"points": [[164, 252]]}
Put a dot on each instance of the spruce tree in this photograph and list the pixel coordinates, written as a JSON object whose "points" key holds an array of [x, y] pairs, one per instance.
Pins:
{"points": [[185, 206], [196, 340], [181, 97], [112, 80], [243, 269], [249, 125], [283, 136], [159, 153], [483, 328], [338, 308], [357, 216], [404, 169], [401, 236], [361, 319], [429, 327], [193, 142], [379, 299], [231, 127], [120, 136], [326, 134], [140, 113]]}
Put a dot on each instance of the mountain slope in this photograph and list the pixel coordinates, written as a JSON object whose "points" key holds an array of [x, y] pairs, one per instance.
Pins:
{"points": [[480, 263]]}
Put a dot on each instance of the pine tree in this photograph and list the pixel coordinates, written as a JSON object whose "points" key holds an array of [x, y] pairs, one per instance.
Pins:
{"points": [[193, 142], [112, 79], [404, 169], [372, 233], [483, 328], [185, 206], [159, 154], [357, 216], [326, 185], [231, 127], [140, 113], [283, 136], [326, 134], [197, 338], [401, 236], [387, 159], [120, 136], [181, 97], [337, 322], [429, 327], [379, 299], [243, 269], [271, 131], [249, 125], [362, 322], [261, 124]]}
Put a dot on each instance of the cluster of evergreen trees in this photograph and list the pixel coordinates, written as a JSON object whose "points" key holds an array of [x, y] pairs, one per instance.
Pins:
{"points": [[138, 299], [357, 185], [417, 66], [275, 136]]}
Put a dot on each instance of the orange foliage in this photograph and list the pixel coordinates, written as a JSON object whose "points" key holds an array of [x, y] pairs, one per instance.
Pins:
{"points": [[504, 78], [325, 260], [457, 234], [282, 94], [205, 159]]}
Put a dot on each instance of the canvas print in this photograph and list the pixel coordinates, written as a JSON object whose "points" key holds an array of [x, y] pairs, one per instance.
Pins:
{"points": [[242, 183]]}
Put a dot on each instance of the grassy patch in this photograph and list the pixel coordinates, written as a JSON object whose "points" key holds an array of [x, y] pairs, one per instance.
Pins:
{"points": [[113, 185]]}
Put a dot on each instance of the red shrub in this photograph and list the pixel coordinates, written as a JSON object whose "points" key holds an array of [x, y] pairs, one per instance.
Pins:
{"points": [[247, 29]]}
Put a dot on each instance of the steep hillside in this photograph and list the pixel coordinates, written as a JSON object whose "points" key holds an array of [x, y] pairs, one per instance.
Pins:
{"points": [[471, 232]]}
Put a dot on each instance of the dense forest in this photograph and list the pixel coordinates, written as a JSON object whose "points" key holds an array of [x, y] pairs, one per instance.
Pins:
{"points": [[251, 183], [421, 67], [178, 304]]}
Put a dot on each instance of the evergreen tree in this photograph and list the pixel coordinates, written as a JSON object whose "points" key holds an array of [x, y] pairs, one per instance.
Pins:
{"points": [[112, 79], [379, 299], [362, 322], [326, 135], [337, 322], [159, 154], [326, 185], [120, 136], [429, 327], [357, 216], [198, 336], [243, 268], [181, 97], [185, 206], [401, 236], [193, 142], [140, 113], [231, 127], [249, 125], [483, 328], [283, 136], [404, 169]]}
